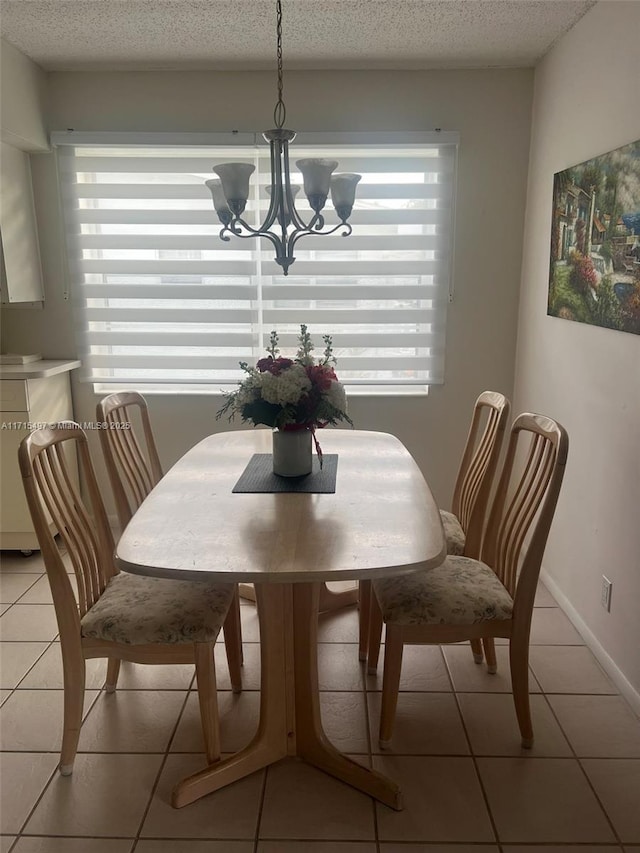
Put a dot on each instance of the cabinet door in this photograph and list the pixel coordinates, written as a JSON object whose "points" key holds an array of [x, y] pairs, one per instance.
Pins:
{"points": [[20, 271]]}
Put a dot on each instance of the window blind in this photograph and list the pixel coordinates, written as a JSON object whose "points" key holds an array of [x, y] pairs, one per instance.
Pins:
{"points": [[164, 303]]}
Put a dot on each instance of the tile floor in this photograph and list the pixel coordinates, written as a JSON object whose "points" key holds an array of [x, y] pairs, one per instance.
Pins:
{"points": [[467, 784]]}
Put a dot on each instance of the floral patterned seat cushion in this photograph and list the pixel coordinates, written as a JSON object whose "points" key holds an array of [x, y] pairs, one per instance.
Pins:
{"points": [[461, 591], [453, 533], [137, 610]]}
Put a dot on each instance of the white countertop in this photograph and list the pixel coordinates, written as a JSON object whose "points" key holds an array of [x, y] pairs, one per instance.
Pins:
{"points": [[36, 369]]}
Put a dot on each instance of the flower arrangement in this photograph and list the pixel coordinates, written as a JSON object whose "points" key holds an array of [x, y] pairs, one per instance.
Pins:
{"points": [[290, 394]]}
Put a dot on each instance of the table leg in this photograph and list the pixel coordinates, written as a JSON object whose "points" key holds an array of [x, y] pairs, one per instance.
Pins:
{"points": [[275, 730], [329, 600], [290, 722], [311, 741]]}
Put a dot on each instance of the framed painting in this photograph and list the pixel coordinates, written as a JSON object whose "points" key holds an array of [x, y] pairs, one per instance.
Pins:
{"points": [[594, 270]]}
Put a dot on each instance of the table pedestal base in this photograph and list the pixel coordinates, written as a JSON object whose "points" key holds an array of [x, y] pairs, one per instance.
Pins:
{"points": [[290, 721], [329, 600]]}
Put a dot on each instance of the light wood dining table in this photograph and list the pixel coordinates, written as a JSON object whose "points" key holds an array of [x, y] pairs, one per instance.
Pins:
{"points": [[381, 520]]}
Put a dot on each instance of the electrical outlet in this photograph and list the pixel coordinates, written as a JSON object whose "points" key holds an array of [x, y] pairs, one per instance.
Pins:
{"points": [[606, 593]]}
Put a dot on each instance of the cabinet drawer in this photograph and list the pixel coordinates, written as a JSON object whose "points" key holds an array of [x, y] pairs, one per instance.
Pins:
{"points": [[14, 396]]}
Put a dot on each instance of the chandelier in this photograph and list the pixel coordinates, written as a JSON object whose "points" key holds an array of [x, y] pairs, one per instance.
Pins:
{"points": [[283, 225]]}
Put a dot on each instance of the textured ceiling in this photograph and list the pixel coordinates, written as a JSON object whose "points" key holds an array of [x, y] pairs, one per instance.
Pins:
{"points": [[182, 34]]}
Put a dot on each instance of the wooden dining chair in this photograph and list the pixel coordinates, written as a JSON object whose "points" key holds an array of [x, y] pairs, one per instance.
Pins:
{"points": [[466, 599], [133, 466], [463, 526], [116, 615]]}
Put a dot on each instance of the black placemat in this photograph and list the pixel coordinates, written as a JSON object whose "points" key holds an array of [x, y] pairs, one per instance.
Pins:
{"points": [[258, 476]]}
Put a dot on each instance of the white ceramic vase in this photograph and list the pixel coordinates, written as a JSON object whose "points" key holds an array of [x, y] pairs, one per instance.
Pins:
{"points": [[292, 452]]}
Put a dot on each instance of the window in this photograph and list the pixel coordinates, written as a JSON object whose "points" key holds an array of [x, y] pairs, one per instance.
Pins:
{"points": [[164, 304]]}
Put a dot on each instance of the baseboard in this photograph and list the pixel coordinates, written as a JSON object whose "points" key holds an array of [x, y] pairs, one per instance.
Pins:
{"points": [[604, 659]]}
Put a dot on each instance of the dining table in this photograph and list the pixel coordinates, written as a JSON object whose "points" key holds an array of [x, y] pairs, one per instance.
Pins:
{"points": [[380, 520]]}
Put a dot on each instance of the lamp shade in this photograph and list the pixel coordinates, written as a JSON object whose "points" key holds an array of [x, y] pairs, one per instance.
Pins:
{"points": [[343, 192], [235, 183], [219, 201], [317, 175]]}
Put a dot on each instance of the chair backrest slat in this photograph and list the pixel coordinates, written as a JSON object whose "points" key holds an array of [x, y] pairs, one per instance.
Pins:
{"points": [[133, 471], [478, 465], [525, 502], [83, 527]]}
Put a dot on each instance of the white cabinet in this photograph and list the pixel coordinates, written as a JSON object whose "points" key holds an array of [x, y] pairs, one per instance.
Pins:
{"points": [[34, 393]]}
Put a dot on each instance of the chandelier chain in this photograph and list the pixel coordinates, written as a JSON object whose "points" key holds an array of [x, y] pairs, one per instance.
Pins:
{"points": [[280, 112]]}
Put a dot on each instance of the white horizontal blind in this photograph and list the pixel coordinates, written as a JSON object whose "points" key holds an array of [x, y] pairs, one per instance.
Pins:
{"points": [[164, 302]]}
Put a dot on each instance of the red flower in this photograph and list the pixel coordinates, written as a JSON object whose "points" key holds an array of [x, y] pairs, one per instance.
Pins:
{"points": [[321, 376], [273, 365]]}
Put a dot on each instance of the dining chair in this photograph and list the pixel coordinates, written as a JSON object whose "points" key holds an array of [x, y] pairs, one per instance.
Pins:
{"points": [[465, 599], [463, 526], [115, 615], [133, 472]]}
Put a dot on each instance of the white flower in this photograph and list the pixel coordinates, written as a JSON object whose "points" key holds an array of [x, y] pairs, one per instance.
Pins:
{"points": [[336, 395], [286, 388]]}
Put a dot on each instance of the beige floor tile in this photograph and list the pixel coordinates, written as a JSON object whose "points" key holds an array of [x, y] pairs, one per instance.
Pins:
{"points": [[239, 713], [250, 667], [250, 623], [550, 626], [106, 796], [231, 812], [442, 801], [344, 719], [29, 772], [5, 842], [338, 626], [339, 667], [140, 676], [599, 726], [543, 597], [617, 783], [13, 585], [132, 721], [492, 726], [16, 659], [317, 847], [301, 801], [74, 845], [4, 695], [438, 848], [542, 800], [14, 561], [568, 669], [47, 672], [32, 720], [4, 608], [468, 676], [423, 669], [426, 724], [40, 592], [29, 622], [191, 846]]}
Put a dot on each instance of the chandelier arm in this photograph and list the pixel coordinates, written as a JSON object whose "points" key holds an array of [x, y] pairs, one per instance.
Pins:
{"points": [[254, 233], [296, 219], [273, 205], [306, 232]]}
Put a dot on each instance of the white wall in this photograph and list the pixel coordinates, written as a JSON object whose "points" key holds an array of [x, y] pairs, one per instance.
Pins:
{"points": [[586, 102], [491, 109]]}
